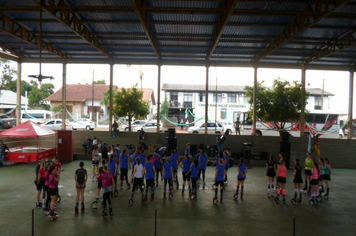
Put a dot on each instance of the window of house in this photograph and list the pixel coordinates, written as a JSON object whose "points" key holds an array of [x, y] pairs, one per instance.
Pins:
{"points": [[231, 98], [217, 97], [201, 97], [188, 97], [317, 103], [174, 96]]}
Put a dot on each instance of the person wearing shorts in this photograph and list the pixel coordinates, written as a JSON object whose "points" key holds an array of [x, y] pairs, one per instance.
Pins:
{"points": [[107, 184], [320, 178], [193, 171], [103, 163], [220, 172], [315, 181], [281, 179], [203, 160], [271, 173], [137, 181], [149, 173], [307, 172], [53, 189], [81, 177], [174, 162], [95, 162], [326, 176], [185, 165], [242, 171], [226, 164], [298, 181], [39, 181], [168, 174], [58, 165], [124, 166]]}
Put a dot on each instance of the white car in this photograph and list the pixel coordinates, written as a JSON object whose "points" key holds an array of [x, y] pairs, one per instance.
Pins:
{"points": [[57, 125], [149, 127], [228, 126], [124, 127], [83, 123], [213, 128]]}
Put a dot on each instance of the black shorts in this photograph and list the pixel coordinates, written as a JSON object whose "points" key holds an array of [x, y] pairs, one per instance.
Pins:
{"points": [[221, 183], [150, 183], [186, 178], [314, 182], [39, 185], [298, 179], [240, 179], [99, 184], [320, 178], [281, 180], [271, 173], [307, 172], [53, 191], [326, 177]]}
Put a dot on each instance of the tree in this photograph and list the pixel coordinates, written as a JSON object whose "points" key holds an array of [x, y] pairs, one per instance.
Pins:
{"points": [[25, 86], [279, 104], [106, 97], [7, 73], [165, 107], [129, 103], [100, 81], [37, 95]]}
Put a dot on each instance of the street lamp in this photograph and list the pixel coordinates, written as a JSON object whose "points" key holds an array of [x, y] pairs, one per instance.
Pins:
{"points": [[140, 73]]}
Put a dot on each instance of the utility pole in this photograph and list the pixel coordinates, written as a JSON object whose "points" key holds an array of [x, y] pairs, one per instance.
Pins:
{"points": [[92, 99]]}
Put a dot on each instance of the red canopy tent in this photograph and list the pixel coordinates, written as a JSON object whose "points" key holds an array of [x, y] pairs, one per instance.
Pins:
{"points": [[28, 129]]}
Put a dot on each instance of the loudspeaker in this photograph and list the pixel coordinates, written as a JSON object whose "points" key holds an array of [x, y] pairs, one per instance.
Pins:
{"points": [[285, 149], [264, 155], [285, 137], [193, 149], [247, 154], [171, 132], [171, 145]]}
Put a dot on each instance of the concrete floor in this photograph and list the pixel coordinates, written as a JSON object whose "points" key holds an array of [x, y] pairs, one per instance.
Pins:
{"points": [[255, 215]]}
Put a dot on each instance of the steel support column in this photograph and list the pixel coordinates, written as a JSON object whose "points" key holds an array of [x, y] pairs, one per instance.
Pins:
{"points": [[206, 98], [18, 93], [254, 100], [351, 97], [159, 98], [111, 102], [64, 94], [302, 109]]}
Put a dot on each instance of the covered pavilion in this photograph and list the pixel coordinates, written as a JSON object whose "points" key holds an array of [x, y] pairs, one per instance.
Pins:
{"points": [[301, 34]]}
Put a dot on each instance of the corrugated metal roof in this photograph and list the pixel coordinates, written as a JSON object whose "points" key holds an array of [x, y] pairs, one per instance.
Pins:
{"points": [[181, 32]]}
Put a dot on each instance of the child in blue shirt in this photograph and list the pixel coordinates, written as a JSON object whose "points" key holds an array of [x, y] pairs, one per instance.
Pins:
{"points": [[168, 174], [193, 171], [220, 172], [149, 173], [185, 165]]}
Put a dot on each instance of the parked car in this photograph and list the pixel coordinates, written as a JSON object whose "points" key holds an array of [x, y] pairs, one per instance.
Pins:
{"points": [[213, 128], [83, 123], [228, 126], [124, 127], [6, 122], [149, 127], [56, 124]]}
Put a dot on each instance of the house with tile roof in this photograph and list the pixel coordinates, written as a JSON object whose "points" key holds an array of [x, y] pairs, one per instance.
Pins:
{"points": [[79, 98], [8, 101]]}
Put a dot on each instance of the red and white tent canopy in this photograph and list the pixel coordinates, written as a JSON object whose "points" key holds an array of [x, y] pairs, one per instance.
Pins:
{"points": [[28, 129]]}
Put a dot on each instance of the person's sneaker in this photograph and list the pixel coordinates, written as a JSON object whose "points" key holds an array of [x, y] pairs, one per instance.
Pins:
{"points": [[38, 205]]}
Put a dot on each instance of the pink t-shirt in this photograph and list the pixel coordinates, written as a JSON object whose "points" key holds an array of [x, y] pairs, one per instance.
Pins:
{"points": [[52, 182], [315, 173], [282, 171], [47, 177], [106, 179]]}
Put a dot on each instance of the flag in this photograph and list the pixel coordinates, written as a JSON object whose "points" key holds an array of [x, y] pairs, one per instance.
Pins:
{"points": [[186, 113], [316, 145], [310, 143]]}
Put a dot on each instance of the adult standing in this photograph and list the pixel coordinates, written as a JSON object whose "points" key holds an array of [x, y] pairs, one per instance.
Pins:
{"points": [[181, 124], [104, 152], [141, 135], [237, 126], [219, 143], [115, 127], [3, 148]]}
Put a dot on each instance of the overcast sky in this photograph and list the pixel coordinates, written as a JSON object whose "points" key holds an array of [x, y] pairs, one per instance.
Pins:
{"points": [[335, 82]]}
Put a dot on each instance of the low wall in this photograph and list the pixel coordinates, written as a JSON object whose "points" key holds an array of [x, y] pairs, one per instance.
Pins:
{"points": [[339, 151]]}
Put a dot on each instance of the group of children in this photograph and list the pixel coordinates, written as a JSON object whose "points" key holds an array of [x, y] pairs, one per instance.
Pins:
{"points": [[316, 172], [149, 168]]}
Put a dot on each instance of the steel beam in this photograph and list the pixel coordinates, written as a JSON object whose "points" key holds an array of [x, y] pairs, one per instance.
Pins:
{"points": [[224, 19], [65, 16], [340, 44], [142, 15], [14, 29], [310, 16]]}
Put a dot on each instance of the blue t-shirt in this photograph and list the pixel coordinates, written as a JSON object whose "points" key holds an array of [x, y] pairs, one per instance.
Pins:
{"points": [[221, 170], [242, 170], [149, 170], [194, 173], [118, 152], [124, 161], [112, 166], [226, 158], [217, 160], [174, 162], [186, 164], [167, 170], [142, 158], [187, 150], [158, 162], [203, 160], [134, 159]]}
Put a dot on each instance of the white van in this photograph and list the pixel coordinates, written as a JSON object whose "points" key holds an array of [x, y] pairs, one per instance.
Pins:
{"points": [[37, 116]]}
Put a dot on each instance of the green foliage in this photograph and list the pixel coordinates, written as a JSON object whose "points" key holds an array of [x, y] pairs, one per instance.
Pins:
{"points": [[7, 73], [25, 86], [106, 97], [37, 95], [100, 81], [129, 103], [280, 104], [165, 107]]}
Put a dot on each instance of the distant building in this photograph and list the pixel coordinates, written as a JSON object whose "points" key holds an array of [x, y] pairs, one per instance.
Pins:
{"points": [[8, 101], [230, 100], [79, 98]]}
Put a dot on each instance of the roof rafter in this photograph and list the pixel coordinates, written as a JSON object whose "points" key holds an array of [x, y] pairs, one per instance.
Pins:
{"points": [[340, 44], [14, 29], [224, 19], [142, 15], [67, 17], [311, 15]]}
